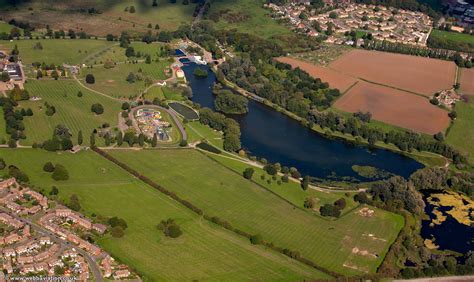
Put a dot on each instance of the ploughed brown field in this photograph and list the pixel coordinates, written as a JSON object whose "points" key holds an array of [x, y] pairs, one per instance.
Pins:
{"points": [[414, 74], [334, 78], [395, 107], [467, 81]]}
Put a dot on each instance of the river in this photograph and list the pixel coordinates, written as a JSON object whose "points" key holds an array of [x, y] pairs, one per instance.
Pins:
{"points": [[278, 138]]}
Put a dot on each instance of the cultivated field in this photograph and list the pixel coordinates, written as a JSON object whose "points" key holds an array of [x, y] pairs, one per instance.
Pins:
{"points": [[461, 134], [222, 192], [203, 252], [414, 74], [112, 16], [59, 51], [467, 81], [394, 107], [334, 78], [113, 81], [71, 110]]}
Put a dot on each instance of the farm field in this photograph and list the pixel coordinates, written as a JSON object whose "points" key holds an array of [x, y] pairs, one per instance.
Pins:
{"points": [[56, 51], [334, 78], [395, 107], [467, 81], [246, 16], [113, 81], [71, 110], [222, 192], [203, 252], [461, 134], [420, 75], [112, 16]]}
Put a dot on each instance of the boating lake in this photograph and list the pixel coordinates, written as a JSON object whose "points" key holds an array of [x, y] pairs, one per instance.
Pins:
{"points": [[268, 134]]}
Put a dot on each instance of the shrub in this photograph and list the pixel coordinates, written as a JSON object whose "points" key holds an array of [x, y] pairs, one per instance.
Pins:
{"points": [[270, 169], [117, 232], [48, 167], [60, 173], [97, 108], [2, 164], [340, 204], [256, 239], [183, 143], [116, 221], [248, 173], [170, 228], [90, 79]]}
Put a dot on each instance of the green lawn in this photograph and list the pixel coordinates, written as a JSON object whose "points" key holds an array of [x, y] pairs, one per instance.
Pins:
{"points": [[113, 81], [203, 252], [5, 27], [116, 53], [197, 132], [71, 110], [222, 192], [461, 133], [453, 36], [254, 18], [164, 93], [290, 191], [56, 51]]}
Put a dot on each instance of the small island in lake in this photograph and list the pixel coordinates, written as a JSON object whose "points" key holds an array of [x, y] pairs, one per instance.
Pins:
{"points": [[199, 72]]}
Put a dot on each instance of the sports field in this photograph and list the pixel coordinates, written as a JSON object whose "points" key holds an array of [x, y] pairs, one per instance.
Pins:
{"points": [[222, 192], [334, 78], [395, 107], [111, 17], [461, 134], [113, 82], [58, 51], [71, 110], [467, 81], [203, 252], [420, 75]]}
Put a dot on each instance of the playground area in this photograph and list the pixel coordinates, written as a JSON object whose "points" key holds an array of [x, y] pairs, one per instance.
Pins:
{"points": [[151, 121]]}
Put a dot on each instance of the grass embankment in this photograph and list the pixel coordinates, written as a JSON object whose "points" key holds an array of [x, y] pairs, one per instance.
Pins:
{"points": [[57, 51], [220, 192], [204, 251], [113, 82], [163, 93], [72, 111], [461, 133]]}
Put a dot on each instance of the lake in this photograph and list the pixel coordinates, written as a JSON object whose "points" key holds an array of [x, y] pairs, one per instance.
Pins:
{"points": [[276, 137]]}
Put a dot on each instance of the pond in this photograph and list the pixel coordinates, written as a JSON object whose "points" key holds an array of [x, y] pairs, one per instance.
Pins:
{"points": [[276, 137], [449, 226]]}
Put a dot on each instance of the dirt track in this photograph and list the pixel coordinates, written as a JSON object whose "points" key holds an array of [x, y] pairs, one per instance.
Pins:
{"points": [[415, 74], [334, 78], [395, 107]]}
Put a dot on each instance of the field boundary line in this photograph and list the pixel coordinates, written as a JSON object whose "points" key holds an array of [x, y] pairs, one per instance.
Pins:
{"points": [[349, 88], [212, 219], [393, 87]]}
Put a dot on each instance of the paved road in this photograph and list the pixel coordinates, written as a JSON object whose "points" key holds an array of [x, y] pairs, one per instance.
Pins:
{"points": [[63, 243]]}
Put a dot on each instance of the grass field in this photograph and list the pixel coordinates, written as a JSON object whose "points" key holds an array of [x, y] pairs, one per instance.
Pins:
{"points": [[203, 252], [198, 132], [116, 53], [163, 93], [222, 192], [461, 134], [56, 51], [113, 81], [453, 36], [112, 16], [255, 19], [5, 27], [72, 111], [290, 191]]}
